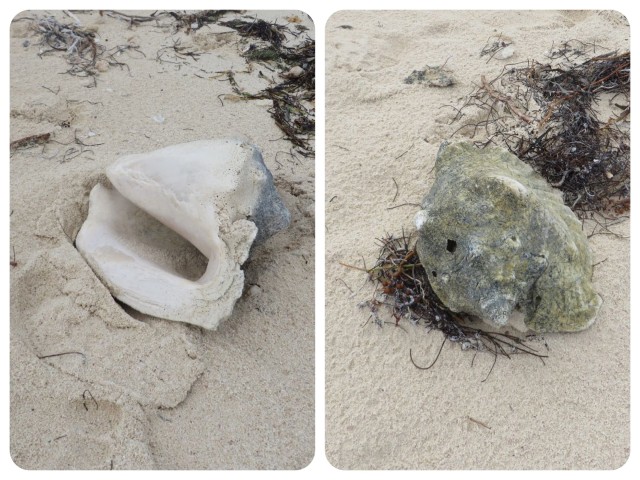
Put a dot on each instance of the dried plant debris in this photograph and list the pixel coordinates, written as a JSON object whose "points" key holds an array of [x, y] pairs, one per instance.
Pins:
{"points": [[403, 289], [497, 47], [188, 21], [30, 141], [134, 19], [78, 44], [262, 54], [567, 117], [177, 53], [85, 55], [194, 21], [294, 97], [271, 33], [278, 48], [431, 76]]}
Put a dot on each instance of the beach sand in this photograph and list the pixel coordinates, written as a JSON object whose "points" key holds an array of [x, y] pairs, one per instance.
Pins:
{"points": [[94, 384], [381, 412]]}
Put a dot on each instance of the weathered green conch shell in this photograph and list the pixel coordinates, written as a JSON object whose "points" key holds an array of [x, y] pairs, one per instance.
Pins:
{"points": [[495, 237]]}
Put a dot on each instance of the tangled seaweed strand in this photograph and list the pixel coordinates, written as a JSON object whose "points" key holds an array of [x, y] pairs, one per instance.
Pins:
{"points": [[197, 20], [289, 112], [78, 44], [547, 115], [403, 286], [269, 32], [290, 97]]}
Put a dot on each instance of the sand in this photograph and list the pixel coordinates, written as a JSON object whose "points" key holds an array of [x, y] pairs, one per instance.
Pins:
{"points": [[132, 391], [381, 412]]}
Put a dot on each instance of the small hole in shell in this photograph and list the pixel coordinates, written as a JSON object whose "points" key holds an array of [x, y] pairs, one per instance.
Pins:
{"points": [[451, 246]]}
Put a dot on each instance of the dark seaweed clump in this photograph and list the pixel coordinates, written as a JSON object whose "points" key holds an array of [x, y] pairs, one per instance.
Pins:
{"points": [[403, 288], [568, 118], [294, 97]]}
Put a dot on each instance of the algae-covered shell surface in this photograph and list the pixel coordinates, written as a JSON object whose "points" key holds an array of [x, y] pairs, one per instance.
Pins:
{"points": [[495, 237]]}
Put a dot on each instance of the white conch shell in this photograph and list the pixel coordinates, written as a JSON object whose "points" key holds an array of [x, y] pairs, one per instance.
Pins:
{"points": [[217, 194]]}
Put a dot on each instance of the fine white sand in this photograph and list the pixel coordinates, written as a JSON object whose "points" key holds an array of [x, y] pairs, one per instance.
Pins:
{"points": [[142, 392], [381, 412]]}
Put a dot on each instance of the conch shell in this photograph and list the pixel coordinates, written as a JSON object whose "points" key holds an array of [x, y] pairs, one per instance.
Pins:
{"points": [[216, 194]]}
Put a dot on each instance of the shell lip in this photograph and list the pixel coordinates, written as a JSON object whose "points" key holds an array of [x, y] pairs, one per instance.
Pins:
{"points": [[199, 196]]}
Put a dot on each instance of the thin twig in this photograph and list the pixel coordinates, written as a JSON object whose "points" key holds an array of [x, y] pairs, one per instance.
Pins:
{"points": [[41, 357], [478, 422]]}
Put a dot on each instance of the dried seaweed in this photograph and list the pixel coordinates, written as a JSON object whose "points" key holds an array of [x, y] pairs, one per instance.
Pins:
{"points": [[177, 53], [553, 116], [293, 98], [78, 44], [494, 45], [133, 19], [197, 20], [271, 33], [402, 286], [262, 54]]}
